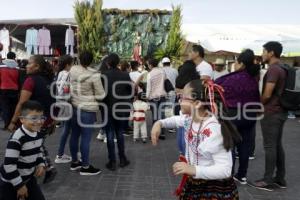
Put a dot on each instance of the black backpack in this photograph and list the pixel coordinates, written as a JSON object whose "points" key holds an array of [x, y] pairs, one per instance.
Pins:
{"points": [[290, 97]]}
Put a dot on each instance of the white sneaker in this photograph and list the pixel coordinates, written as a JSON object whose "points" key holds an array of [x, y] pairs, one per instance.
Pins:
{"points": [[62, 159], [101, 137], [291, 116]]}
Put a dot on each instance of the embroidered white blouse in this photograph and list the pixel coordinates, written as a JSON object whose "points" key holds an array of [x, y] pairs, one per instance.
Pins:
{"points": [[205, 150]]}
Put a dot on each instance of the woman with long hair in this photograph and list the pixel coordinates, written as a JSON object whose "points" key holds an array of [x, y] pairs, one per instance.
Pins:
{"points": [[62, 95], [242, 95]]}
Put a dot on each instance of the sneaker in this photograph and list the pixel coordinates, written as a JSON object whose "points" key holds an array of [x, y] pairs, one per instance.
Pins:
{"points": [[252, 157], [124, 163], [144, 140], [90, 171], [280, 184], [50, 175], [101, 137], [127, 134], [75, 166], [291, 116], [262, 185], [58, 125], [242, 181], [111, 165], [62, 159], [172, 130]]}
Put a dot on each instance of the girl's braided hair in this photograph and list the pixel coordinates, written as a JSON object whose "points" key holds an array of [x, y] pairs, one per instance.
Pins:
{"points": [[211, 95]]}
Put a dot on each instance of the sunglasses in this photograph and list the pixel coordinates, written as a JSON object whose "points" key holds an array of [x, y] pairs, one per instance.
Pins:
{"points": [[34, 119]]}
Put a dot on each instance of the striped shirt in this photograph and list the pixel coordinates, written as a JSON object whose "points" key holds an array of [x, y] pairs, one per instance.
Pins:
{"points": [[23, 154]]}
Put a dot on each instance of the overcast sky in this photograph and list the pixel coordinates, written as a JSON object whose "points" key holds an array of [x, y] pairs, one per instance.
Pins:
{"points": [[194, 11]]}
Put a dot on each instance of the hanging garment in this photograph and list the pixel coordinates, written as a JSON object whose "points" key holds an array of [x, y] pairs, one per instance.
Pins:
{"points": [[44, 50], [31, 41], [70, 50], [69, 41], [44, 41], [4, 40]]}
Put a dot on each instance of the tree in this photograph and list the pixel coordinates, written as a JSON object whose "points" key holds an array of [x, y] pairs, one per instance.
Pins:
{"points": [[90, 24], [175, 41]]}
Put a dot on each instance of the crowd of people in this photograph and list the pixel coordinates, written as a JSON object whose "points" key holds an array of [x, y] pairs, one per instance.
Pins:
{"points": [[215, 114]]}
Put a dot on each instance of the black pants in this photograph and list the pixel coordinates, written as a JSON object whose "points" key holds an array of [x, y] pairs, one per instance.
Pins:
{"points": [[272, 129], [246, 129], [8, 192], [8, 103], [245, 147], [115, 127]]}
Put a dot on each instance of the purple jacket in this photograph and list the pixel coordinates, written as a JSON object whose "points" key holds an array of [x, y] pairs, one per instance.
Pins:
{"points": [[239, 87]]}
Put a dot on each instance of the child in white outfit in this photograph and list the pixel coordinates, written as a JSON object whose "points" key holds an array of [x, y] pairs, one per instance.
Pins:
{"points": [[207, 164], [139, 118]]}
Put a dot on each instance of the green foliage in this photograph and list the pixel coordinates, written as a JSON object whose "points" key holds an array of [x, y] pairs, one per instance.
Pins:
{"points": [[175, 41], [90, 23]]}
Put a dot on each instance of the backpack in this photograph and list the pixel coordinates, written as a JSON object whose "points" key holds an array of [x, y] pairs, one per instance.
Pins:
{"points": [[290, 97]]}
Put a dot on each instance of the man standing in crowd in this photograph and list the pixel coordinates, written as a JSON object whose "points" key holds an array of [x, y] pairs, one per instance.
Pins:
{"points": [[220, 69], [203, 68], [9, 86], [274, 119]]}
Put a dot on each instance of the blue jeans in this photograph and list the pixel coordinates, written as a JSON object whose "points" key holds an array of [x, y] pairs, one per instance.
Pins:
{"points": [[87, 118], [158, 107], [245, 147], [115, 127], [180, 140], [64, 137]]}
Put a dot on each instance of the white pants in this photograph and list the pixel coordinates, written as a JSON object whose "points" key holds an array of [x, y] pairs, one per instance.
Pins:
{"points": [[139, 126], [29, 50], [70, 50], [44, 50]]}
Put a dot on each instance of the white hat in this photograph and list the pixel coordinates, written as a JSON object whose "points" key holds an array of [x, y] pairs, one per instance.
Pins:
{"points": [[220, 61], [165, 60]]}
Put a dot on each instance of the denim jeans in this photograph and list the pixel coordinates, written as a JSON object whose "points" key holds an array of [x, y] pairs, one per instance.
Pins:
{"points": [[181, 140], [246, 129], [115, 127], [245, 147], [87, 118], [272, 130], [64, 137], [157, 107]]}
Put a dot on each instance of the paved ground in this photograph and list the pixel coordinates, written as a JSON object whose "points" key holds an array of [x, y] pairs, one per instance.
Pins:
{"points": [[149, 176]]}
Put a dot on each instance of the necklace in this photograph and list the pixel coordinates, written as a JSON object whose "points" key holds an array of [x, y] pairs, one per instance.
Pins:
{"points": [[190, 138]]}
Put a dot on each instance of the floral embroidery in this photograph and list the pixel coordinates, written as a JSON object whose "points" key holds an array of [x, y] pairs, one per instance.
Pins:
{"points": [[206, 132]]}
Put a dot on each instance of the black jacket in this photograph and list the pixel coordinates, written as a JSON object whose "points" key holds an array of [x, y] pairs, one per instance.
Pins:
{"points": [[119, 89]]}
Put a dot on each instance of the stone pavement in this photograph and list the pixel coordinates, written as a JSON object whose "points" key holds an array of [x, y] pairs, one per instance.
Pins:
{"points": [[149, 175]]}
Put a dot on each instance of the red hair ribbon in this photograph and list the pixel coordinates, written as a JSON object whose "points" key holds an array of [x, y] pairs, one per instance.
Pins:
{"points": [[212, 87], [184, 178]]}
